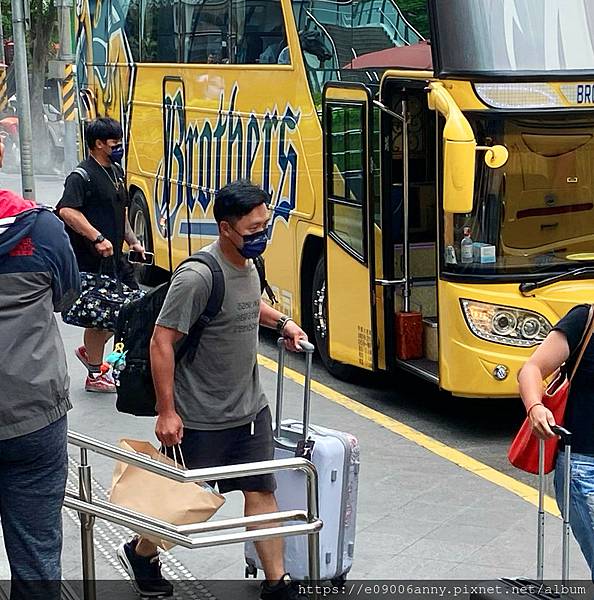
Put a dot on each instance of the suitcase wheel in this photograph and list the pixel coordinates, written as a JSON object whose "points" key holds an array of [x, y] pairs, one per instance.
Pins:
{"points": [[339, 582], [251, 571]]}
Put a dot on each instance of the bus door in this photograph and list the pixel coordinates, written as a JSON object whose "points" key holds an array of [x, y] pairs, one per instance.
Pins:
{"points": [[174, 202], [348, 225], [409, 221]]}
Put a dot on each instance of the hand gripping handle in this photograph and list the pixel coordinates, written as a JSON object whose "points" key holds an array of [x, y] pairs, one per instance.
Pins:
{"points": [[562, 433]]}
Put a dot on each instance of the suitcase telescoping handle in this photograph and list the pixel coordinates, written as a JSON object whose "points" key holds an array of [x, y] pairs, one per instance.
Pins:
{"points": [[308, 349], [566, 438]]}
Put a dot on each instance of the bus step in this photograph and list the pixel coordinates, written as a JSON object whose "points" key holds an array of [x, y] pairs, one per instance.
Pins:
{"points": [[428, 369]]}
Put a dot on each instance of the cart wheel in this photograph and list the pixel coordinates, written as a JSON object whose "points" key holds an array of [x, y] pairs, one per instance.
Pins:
{"points": [[251, 571], [339, 582]]}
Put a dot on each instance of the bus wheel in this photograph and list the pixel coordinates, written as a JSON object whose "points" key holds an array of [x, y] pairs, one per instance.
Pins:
{"points": [[319, 306], [141, 225]]}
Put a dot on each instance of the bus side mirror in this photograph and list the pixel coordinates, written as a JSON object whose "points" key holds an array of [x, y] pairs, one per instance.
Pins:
{"points": [[495, 156], [459, 151], [458, 176]]}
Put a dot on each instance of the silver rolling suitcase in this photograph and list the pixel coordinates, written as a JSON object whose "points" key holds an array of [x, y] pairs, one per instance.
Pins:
{"points": [[336, 457]]}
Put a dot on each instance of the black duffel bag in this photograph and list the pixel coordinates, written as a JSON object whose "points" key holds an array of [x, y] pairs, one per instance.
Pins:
{"points": [[101, 299]]}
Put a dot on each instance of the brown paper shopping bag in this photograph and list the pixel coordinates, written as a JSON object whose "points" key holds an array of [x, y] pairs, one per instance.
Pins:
{"points": [[159, 497]]}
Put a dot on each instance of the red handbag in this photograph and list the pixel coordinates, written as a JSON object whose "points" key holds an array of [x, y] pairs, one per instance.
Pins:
{"points": [[523, 452]]}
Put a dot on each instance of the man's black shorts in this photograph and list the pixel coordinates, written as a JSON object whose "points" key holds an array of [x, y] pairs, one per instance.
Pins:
{"points": [[244, 444]]}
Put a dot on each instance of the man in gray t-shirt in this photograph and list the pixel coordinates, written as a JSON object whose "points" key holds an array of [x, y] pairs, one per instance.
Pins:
{"points": [[214, 407], [224, 391]]}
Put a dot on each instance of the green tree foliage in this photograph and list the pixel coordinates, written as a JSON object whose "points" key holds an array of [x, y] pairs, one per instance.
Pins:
{"points": [[417, 13], [6, 22]]}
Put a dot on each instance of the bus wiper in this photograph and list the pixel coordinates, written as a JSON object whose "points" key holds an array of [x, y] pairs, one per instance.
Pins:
{"points": [[528, 287]]}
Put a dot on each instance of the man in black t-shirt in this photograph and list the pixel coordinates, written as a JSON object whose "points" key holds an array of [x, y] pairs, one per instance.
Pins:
{"points": [[95, 212]]}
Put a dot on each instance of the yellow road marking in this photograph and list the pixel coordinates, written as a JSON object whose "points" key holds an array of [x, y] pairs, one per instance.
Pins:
{"points": [[524, 491]]}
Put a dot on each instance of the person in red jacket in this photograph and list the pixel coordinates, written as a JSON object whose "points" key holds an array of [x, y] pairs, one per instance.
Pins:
{"points": [[38, 277]]}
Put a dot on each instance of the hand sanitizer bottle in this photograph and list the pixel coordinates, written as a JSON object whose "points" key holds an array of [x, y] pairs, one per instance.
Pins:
{"points": [[466, 248]]}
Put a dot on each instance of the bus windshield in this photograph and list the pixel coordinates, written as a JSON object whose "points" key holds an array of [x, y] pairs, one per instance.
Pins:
{"points": [[536, 213], [499, 37]]}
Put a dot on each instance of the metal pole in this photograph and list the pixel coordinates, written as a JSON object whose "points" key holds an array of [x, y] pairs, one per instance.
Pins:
{"points": [[406, 233], [180, 534], [280, 380], [313, 539], [540, 539], [307, 392], [63, 7], [566, 524], [230, 40], [67, 56], [23, 102], [2, 55], [3, 69], [86, 529]]}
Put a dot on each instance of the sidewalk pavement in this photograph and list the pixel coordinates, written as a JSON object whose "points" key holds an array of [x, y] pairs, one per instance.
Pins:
{"points": [[419, 516]]}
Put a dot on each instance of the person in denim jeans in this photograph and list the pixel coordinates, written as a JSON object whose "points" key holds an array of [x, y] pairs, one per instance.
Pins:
{"points": [[563, 345], [38, 276]]}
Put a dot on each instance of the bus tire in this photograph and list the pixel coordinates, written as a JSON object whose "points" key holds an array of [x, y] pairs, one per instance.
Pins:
{"points": [[141, 225], [319, 312]]}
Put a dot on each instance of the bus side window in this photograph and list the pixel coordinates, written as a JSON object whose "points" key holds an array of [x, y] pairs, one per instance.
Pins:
{"points": [[346, 174], [132, 28], [259, 32], [205, 28], [160, 42]]}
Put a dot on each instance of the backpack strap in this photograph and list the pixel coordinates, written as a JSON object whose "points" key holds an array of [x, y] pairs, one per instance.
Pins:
{"points": [[84, 175], [82, 172], [189, 346], [264, 285]]}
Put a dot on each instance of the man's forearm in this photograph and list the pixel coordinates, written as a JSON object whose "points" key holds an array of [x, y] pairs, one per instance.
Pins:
{"points": [[77, 221], [269, 316], [129, 234], [163, 370]]}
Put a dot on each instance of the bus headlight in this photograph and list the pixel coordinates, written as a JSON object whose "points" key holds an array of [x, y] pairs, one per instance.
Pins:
{"points": [[505, 324]]}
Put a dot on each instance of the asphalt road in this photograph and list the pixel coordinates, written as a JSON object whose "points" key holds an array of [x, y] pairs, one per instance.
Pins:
{"points": [[480, 428]]}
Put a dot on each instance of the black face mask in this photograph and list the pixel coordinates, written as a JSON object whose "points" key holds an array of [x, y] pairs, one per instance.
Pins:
{"points": [[254, 244], [117, 153]]}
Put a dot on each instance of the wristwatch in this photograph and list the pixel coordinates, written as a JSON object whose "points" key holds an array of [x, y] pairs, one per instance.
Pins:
{"points": [[100, 238], [280, 324]]}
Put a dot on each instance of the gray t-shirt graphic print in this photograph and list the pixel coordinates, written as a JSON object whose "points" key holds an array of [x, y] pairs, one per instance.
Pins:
{"points": [[221, 388]]}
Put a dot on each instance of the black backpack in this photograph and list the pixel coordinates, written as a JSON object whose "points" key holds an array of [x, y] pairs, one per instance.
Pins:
{"points": [[135, 325]]}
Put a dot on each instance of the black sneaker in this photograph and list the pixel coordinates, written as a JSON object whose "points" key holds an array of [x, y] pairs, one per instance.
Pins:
{"points": [[145, 572], [285, 589]]}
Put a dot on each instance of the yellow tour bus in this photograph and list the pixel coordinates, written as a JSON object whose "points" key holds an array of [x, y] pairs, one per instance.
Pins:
{"points": [[432, 203]]}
